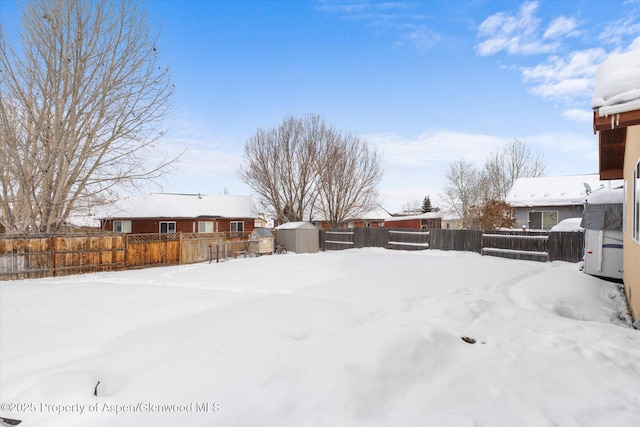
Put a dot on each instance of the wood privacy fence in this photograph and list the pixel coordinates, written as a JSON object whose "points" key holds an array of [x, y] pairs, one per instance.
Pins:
{"points": [[64, 254], [516, 244]]}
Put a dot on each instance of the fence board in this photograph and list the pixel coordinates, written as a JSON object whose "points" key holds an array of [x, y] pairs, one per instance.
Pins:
{"points": [[408, 240], [566, 246], [516, 244], [456, 240], [44, 256]]}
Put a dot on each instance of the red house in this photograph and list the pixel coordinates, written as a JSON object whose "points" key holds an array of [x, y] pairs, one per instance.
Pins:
{"points": [[415, 222], [186, 213]]}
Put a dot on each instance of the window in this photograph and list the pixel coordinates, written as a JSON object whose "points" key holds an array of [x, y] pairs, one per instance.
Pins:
{"points": [[237, 225], [205, 226], [635, 200], [122, 226], [366, 224], [350, 224], [167, 227], [542, 220]]}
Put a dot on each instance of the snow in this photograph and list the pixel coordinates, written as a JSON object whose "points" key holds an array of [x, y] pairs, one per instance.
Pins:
{"points": [[606, 196], [294, 225], [569, 224], [555, 190], [361, 337], [617, 84], [166, 205], [427, 215]]}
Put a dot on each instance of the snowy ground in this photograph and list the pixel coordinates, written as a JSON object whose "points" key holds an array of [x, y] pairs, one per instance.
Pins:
{"points": [[354, 338]]}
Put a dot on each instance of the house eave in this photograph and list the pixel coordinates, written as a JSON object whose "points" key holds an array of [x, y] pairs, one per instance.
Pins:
{"points": [[610, 121]]}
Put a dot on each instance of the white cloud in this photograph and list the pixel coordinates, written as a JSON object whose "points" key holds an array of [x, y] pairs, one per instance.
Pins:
{"points": [[435, 147], [579, 146], [515, 34], [395, 17], [561, 26], [565, 77], [618, 31], [577, 115]]}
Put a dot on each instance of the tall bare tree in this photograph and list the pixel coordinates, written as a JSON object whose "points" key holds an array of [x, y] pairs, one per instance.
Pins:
{"points": [[79, 104], [503, 167], [304, 166], [280, 166], [349, 173], [462, 191], [470, 189]]}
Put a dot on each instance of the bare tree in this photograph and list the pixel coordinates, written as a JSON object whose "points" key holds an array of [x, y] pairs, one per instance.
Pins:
{"points": [[467, 187], [280, 166], [79, 104], [462, 190], [503, 167], [349, 173], [304, 166]]}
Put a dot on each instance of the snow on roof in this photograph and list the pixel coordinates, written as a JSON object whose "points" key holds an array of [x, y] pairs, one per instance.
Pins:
{"points": [[428, 215], [606, 196], [378, 213], [295, 225], [617, 84], [262, 232], [555, 190], [166, 205]]}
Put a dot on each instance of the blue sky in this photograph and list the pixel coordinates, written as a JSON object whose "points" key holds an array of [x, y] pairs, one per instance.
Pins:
{"points": [[427, 82]]}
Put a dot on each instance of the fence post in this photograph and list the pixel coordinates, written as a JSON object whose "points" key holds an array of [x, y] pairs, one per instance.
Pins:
{"points": [[52, 241], [126, 251], [180, 249]]}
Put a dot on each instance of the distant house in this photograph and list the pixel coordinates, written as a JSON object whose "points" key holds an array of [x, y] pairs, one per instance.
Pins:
{"points": [[543, 202], [423, 221], [186, 213], [374, 218], [452, 222], [616, 119]]}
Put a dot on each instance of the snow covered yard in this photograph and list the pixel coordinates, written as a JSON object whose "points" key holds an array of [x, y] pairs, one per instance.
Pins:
{"points": [[363, 337]]}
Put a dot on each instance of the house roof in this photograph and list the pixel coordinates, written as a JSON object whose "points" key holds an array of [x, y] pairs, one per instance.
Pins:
{"points": [[428, 215], [167, 205], [555, 190]]}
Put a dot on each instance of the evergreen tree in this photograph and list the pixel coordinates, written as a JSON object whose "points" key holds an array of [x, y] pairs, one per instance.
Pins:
{"points": [[426, 205]]}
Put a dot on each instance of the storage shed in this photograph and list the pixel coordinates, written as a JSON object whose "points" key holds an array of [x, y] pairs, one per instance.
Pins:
{"points": [[298, 237], [261, 241]]}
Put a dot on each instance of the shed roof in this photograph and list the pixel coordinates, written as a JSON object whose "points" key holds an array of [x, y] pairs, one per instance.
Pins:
{"points": [[167, 205], [555, 190], [262, 232], [297, 225]]}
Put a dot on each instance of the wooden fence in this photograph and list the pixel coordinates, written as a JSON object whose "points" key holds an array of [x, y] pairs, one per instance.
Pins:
{"points": [[64, 254], [516, 244]]}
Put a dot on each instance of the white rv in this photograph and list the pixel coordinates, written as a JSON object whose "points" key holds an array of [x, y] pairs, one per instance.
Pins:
{"points": [[602, 221]]}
